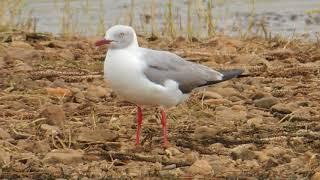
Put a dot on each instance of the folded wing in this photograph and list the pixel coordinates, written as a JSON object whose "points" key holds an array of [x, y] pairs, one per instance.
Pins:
{"points": [[163, 65]]}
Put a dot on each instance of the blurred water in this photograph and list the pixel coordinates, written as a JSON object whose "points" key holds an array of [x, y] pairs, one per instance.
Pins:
{"points": [[283, 17]]}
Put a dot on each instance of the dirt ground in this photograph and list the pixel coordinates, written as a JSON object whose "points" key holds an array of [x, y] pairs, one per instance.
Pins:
{"points": [[58, 118]]}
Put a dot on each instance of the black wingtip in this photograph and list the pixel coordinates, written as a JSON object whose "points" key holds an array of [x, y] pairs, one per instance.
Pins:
{"points": [[229, 74]]}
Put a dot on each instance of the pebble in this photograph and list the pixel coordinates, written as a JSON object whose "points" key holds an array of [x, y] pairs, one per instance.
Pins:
{"points": [[227, 91], [201, 167], [219, 148], [314, 161], [244, 152], [229, 116], [2, 62], [211, 94], [266, 102], [94, 93], [24, 54], [315, 176], [258, 95], [255, 122], [283, 108], [64, 156], [4, 158], [204, 132], [97, 135], [21, 44], [66, 54], [4, 135], [169, 167], [191, 156], [79, 97], [23, 67], [54, 115], [172, 151]]}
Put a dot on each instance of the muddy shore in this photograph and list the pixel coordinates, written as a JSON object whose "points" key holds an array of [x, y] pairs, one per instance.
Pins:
{"points": [[58, 118]]}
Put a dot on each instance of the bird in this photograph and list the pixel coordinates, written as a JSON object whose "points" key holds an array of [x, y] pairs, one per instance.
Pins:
{"points": [[148, 77]]}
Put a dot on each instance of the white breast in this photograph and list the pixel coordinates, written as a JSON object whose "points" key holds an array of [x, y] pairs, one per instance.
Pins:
{"points": [[124, 71]]}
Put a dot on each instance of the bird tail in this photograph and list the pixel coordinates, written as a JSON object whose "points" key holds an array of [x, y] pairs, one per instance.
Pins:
{"points": [[227, 74], [233, 73]]}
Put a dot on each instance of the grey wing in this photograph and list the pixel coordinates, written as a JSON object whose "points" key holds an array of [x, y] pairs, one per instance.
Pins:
{"points": [[163, 65]]}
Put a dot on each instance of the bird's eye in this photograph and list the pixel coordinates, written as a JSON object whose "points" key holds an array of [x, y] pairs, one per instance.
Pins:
{"points": [[121, 35]]}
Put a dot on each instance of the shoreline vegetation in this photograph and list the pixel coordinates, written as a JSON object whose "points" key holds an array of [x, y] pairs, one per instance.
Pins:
{"points": [[199, 21], [60, 119]]}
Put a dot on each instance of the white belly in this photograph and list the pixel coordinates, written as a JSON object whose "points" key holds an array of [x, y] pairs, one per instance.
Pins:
{"points": [[125, 74]]}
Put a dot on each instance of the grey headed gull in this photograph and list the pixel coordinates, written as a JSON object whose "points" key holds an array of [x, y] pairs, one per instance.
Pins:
{"points": [[151, 77]]}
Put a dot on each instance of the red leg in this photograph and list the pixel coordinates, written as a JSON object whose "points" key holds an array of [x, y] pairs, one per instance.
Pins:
{"points": [[164, 128], [139, 117]]}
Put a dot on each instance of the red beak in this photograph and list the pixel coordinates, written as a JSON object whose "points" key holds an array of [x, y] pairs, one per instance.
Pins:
{"points": [[102, 42]]}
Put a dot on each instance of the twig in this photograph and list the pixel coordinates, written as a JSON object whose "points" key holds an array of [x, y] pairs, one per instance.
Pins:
{"points": [[61, 142]]}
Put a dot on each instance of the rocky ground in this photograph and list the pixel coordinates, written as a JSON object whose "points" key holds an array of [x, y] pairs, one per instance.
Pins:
{"points": [[58, 118]]}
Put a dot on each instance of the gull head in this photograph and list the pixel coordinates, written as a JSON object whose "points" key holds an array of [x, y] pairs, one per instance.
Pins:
{"points": [[119, 37]]}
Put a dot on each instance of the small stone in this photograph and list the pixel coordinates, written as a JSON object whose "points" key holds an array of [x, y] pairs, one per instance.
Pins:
{"points": [[54, 115], [314, 161], [216, 102], [169, 167], [21, 44], [261, 156], [266, 102], [66, 54], [4, 135], [228, 117], [58, 83], [95, 92], [255, 122], [191, 156], [4, 158], [244, 152], [238, 108], [79, 97], [283, 108], [227, 91], [25, 55], [315, 176], [23, 67], [2, 62], [211, 94], [41, 147], [168, 174], [64, 156], [219, 148], [204, 132], [54, 44], [70, 107], [59, 92], [201, 167], [258, 95], [172, 151], [96, 135]]}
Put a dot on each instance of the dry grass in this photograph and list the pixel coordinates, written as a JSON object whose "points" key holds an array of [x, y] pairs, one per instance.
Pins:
{"points": [[285, 69], [69, 21], [12, 16], [199, 18]]}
